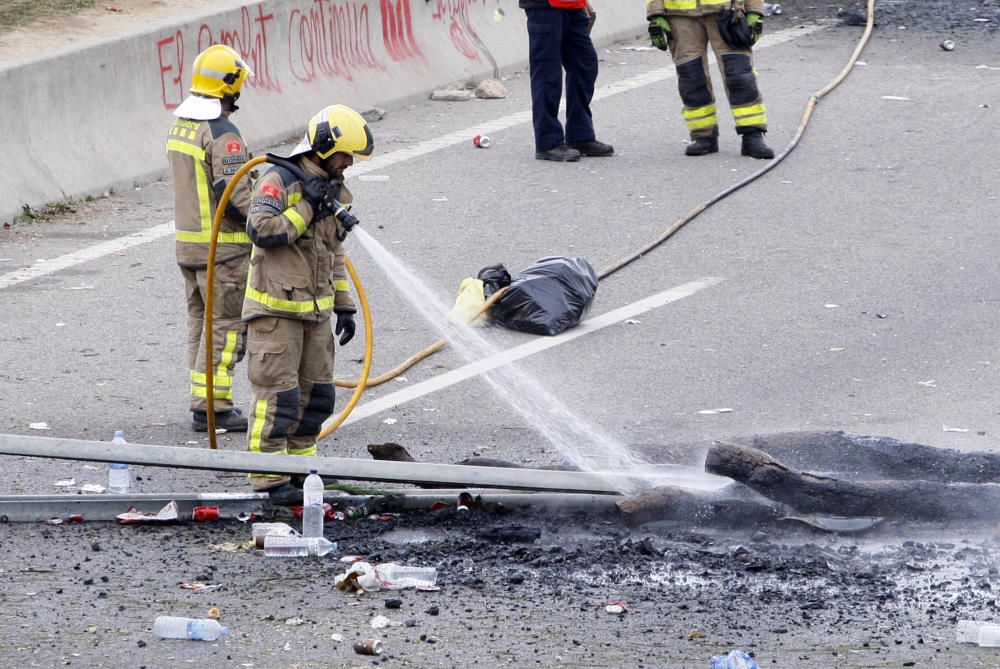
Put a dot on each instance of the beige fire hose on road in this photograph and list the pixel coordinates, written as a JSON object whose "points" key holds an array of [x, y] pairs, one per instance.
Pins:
{"points": [[362, 382]]}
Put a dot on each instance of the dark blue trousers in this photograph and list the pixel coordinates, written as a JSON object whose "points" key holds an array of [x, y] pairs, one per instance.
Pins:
{"points": [[558, 39]]}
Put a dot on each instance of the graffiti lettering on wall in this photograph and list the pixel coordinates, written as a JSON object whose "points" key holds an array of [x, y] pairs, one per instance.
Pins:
{"points": [[250, 40], [397, 30], [327, 39], [463, 36], [332, 39]]}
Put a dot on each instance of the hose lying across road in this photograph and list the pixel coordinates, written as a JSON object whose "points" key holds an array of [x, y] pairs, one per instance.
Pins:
{"points": [[364, 382]]}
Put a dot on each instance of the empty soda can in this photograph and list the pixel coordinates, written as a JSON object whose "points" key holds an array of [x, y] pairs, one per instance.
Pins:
{"points": [[948, 45], [481, 141], [368, 647], [205, 513]]}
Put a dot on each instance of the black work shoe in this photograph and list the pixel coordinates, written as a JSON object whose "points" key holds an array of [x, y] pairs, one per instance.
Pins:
{"points": [[754, 146], [560, 154], [285, 494], [702, 146], [230, 421], [593, 148]]}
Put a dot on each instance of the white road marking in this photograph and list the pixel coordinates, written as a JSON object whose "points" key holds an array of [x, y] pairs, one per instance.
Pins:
{"points": [[44, 267], [40, 269], [536, 345]]}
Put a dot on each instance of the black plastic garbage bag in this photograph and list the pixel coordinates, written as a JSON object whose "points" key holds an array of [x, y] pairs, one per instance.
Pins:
{"points": [[494, 278], [550, 296]]}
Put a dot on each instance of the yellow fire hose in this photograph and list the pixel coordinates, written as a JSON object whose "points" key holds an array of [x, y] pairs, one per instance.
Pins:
{"points": [[209, 302], [362, 382]]}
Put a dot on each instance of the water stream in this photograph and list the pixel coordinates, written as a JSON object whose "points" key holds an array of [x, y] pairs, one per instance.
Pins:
{"points": [[582, 443]]}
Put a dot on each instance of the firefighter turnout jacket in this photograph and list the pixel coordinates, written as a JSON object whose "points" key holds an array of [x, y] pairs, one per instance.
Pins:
{"points": [[700, 7], [206, 155], [297, 266]]}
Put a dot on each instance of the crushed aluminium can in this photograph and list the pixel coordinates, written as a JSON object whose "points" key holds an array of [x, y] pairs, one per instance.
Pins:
{"points": [[481, 141], [204, 514], [368, 647]]}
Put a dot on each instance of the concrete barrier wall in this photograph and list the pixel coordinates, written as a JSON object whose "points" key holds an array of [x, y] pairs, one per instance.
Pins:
{"points": [[82, 120]]}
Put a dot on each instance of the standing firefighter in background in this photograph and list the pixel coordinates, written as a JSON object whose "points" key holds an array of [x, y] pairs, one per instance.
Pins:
{"points": [[297, 279], [558, 39], [205, 150], [733, 27]]}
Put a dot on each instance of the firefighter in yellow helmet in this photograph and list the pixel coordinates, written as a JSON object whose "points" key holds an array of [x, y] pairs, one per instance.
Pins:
{"points": [[205, 150], [299, 218], [686, 27]]}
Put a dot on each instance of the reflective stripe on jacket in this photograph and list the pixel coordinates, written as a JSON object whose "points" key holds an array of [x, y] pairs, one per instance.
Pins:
{"points": [[297, 265], [699, 7], [204, 156]]}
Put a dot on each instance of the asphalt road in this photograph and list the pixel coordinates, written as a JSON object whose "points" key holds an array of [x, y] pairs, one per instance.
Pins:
{"points": [[856, 281]]}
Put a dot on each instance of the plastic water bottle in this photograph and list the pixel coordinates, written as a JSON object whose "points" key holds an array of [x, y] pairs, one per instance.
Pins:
{"points": [[297, 546], [204, 629], [736, 659], [119, 480], [393, 576], [312, 506]]}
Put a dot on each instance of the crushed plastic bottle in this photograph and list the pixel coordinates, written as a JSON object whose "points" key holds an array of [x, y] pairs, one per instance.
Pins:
{"points": [[297, 546], [312, 505], [387, 576], [119, 479], [198, 629], [261, 530], [736, 659]]}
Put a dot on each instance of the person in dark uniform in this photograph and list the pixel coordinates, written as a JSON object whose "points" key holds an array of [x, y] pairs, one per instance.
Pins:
{"points": [[559, 39]]}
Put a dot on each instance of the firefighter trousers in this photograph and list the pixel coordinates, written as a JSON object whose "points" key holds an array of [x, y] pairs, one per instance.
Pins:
{"points": [[559, 39], [689, 48], [228, 331], [290, 365]]}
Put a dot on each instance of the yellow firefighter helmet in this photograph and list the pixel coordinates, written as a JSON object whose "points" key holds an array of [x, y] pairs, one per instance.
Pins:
{"points": [[336, 129], [219, 71]]}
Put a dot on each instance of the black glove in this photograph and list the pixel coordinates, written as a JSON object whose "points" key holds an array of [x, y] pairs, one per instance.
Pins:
{"points": [[660, 32], [345, 324], [314, 192]]}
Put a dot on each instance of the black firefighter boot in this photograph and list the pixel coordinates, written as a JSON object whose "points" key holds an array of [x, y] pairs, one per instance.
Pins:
{"points": [[702, 146], [754, 146]]}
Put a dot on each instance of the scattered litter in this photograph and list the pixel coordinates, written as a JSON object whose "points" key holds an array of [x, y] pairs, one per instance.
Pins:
{"points": [[945, 428], [388, 576], [198, 587], [981, 20], [736, 659], [837, 349], [927, 384], [373, 177], [351, 559], [261, 530], [390, 421], [985, 105], [60, 325], [771, 9], [948, 45], [337, 638], [368, 646], [75, 518], [986, 67], [203, 514], [381, 622], [633, 321], [861, 63], [230, 546], [617, 608], [65, 483], [637, 48], [708, 412], [482, 141], [112, 8], [168, 514], [491, 89], [214, 613], [400, 379], [39, 570], [39, 426], [294, 622], [440, 199], [95, 488], [696, 634], [895, 97], [451, 95], [831, 306]]}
